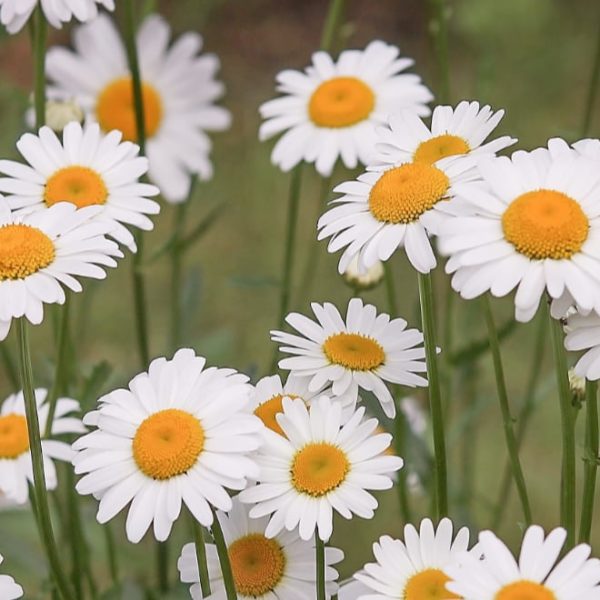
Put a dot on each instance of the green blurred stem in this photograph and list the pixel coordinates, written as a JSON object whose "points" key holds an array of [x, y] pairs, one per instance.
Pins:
{"points": [[439, 32], [200, 546], [591, 462], [592, 91], [223, 554], [400, 443], [332, 24], [9, 366], [39, 479], [320, 553], [111, 553], [507, 419], [390, 290], [39, 38], [435, 400], [162, 566], [176, 259]]}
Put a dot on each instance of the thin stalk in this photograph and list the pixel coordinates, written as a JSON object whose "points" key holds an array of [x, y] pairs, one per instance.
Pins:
{"points": [[592, 91], [320, 553], [176, 267], [39, 478], [111, 553], [439, 32], [400, 442], [9, 366], [223, 554], [200, 546], [75, 534], [332, 24], [435, 400], [509, 434], [162, 566], [39, 38], [591, 461], [390, 290]]}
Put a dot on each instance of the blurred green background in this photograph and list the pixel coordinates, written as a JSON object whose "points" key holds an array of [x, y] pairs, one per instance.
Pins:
{"points": [[532, 57]]}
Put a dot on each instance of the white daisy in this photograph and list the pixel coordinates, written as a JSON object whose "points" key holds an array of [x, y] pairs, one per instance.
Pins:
{"points": [[179, 89], [363, 279], [43, 250], [278, 568], [362, 352], [15, 13], [583, 333], [416, 568], [533, 224], [536, 576], [9, 590], [320, 466], [180, 433], [331, 109], [85, 169], [15, 459]]}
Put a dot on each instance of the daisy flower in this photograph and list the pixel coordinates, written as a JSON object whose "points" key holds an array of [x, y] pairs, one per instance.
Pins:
{"points": [[9, 590], [320, 466], [536, 576], [583, 333], [86, 169], [15, 459], [43, 250], [179, 88], [278, 568], [363, 279], [532, 224], [417, 567], [180, 433], [362, 352], [15, 13], [330, 110]]}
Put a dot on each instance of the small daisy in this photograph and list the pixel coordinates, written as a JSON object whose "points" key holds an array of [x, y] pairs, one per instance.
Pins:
{"points": [[9, 590], [15, 459], [536, 576], [416, 568], [15, 13], [583, 333], [532, 224], [320, 466], [363, 279], [278, 568], [179, 88], [362, 352], [180, 433], [86, 169], [43, 250], [330, 111]]}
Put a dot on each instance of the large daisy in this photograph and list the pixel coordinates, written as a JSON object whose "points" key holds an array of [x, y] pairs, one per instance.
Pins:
{"points": [[318, 467], [363, 352], [86, 169], [180, 433], [179, 88], [43, 250], [533, 224], [16, 470], [536, 576], [9, 590], [278, 568], [583, 333], [330, 110]]}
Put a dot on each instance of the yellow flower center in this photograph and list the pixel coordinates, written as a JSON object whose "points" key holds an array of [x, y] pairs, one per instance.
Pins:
{"points": [[257, 564], [80, 186], [24, 250], [267, 412], [115, 108], [545, 224], [440, 147], [403, 194], [168, 443], [524, 590], [319, 468], [354, 351], [428, 585], [14, 440], [341, 102]]}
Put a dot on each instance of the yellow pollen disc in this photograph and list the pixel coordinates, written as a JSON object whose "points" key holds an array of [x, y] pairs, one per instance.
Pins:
{"points": [[428, 585], [524, 590], [545, 224], [168, 443], [257, 564], [354, 351], [403, 194], [341, 102], [24, 250], [319, 468], [14, 440], [440, 147], [267, 412], [115, 108], [78, 185]]}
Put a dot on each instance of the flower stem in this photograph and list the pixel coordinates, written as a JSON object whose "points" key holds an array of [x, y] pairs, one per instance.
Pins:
{"points": [[507, 419], [332, 24], [111, 553], [320, 553], [200, 546], [390, 290], [40, 35], [435, 400], [39, 478], [439, 32], [592, 91], [591, 462], [178, 225], [223, 554]]}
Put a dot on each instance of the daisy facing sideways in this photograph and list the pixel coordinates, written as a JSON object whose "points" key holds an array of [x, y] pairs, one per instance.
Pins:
{"points": [[364, 351], [181, 433], [318, 467], [15, 459], [9, 590], [278, 568], [179, 89], [330, 110], [536, 576], [86, 169]]}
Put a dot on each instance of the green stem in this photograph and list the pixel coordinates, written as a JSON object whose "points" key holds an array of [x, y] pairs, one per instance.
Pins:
{"points": [[592, 91], [332, 24], [435, 400], [162, 566], [507, 419], [390, 290], [75, 534], [439, 32], [320, 553], [40, 35], [9, 366], [591, 462], [223, 554], [200, 546], [111, 553], [400, 443], [178, 225], [39, 478]]}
